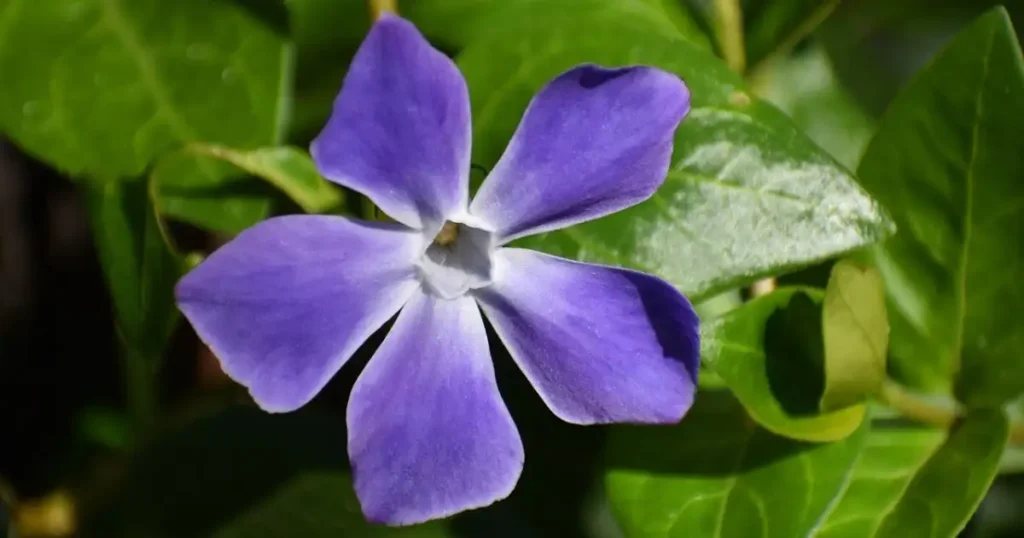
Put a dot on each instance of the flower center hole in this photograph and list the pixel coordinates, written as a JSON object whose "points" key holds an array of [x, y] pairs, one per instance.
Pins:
{"points": [[457, 260]]}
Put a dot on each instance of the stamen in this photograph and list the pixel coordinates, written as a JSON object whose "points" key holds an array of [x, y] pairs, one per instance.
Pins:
{"points": [[449, 232]]}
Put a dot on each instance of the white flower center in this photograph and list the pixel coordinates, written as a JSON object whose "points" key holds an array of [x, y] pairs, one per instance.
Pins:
{"points": [[458, 260]]}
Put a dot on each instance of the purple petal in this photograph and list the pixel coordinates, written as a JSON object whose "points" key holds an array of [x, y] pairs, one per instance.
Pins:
{"points": [[599, 344], [285, 303], [428, 434], [592, 142], [400, 131]]}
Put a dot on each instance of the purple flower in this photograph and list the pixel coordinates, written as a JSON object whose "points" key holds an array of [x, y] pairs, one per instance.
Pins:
{"points": [[288, 301]]}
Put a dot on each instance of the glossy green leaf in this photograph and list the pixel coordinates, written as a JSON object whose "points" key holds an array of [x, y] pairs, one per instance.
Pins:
{"points": [[856, 335], [102, 87], [719, 474], [458, 23], [910, 482], [243, 473], [767, 377], [947, 163], [806, 89], [747, 194], [287, 168], [893, 452], [774, 26], [210, 193]]}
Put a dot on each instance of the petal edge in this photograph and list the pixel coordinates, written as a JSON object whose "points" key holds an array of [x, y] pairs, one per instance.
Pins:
{"points": [[285, 303], [429, 435], [593, 141], [599, 344], [399, 131]]}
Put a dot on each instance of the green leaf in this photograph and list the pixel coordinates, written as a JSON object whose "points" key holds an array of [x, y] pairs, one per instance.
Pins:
{"points": [[909, 482], [243, 473], [102, 87], [947, 163], [458, 23], [773, 367], [806, 89], [209, 192], [856, 335], [774, 27], [747, 195], [289, 169], [326, 36], [718, 474]]}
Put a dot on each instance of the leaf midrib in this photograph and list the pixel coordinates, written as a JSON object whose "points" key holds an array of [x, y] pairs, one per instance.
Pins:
{"points": [[969, 203], [144, 62]]}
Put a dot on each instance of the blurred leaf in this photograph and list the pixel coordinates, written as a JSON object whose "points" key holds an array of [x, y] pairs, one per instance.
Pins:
{"points": [[106, 427], [244, 473], [767, 379], [773, 26], [893, 452], [878, 45], [738, 161], [211, 186], [719, 474], [458, 23], [896, 492], [947, 163], [141, 268], [102, 87], [139, 263], [326, 36], [804, 87], [289, 169], [856, 335], [209, 192]]}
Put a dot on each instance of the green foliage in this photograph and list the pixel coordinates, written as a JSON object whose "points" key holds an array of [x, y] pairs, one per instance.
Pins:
{"points": [[458, 23], [199, 111], [884, 480], [113, 84], [140, 268], [947, 164], [788, 203], [806, 89], [771, 26], [743, 481], [773, 378], [243, 473], [856, 335]]}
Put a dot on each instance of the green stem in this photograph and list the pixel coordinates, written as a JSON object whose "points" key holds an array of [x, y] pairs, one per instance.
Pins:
{"points": [[729, 19], [378, 7], [913, 407], [141, 391]]}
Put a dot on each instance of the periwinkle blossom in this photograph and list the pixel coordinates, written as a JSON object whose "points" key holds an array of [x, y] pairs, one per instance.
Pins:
{"points": [[287, 302]]}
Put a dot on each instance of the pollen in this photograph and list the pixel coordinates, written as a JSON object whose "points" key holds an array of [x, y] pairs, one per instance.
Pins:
{"points": [[449, 232]]}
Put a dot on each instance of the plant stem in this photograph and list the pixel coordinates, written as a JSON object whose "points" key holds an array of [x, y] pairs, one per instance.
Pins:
{"points": [[729, 21], [914, 408], [141, 389], [378, 7]]}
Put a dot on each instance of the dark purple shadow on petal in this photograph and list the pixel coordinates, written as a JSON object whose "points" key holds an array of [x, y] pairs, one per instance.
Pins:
{"points": [[597, 76], [677, 330]]}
